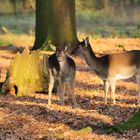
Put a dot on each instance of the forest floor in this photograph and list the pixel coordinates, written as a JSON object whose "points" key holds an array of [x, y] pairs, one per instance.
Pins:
{"points": [[29, 117]]}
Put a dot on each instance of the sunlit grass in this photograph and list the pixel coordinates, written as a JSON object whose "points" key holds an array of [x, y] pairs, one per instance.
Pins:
{"points": [[100, 45], [110, 45], [18, 40]]}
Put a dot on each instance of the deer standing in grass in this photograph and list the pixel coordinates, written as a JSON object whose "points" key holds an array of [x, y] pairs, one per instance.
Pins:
{"points": [[112, 67], [61, 67]]}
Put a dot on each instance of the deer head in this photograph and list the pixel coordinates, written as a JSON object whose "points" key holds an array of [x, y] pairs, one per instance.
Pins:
{"points": [[84, 43], [60, 52]]}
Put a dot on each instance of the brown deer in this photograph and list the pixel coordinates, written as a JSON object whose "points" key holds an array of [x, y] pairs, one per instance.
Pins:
{"points": [[62, 68], [112, 67]]}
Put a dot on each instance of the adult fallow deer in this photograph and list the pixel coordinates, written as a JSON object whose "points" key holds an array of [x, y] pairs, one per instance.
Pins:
{"points": [[112, 67]]}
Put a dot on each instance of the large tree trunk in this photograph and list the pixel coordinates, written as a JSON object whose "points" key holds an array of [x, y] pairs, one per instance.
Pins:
{"points": [[55, 22]]}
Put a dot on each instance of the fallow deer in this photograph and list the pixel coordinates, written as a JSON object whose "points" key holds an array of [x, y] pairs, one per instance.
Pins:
{"points": [[112, 67], [62, 68]]}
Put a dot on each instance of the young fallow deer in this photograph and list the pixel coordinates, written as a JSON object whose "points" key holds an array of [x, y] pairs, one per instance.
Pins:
{"points": [[112, 67], [62, 68]]}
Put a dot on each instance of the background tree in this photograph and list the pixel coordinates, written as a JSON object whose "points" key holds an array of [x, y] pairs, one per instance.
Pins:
{"points": [[55, 22]]}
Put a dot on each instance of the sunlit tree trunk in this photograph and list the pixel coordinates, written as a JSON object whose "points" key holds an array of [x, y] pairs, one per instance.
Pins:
{"points": [[55, 22], [27, 74]]}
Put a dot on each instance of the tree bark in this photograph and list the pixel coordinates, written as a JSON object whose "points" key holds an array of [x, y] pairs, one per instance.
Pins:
{"points": [[55, 22]]}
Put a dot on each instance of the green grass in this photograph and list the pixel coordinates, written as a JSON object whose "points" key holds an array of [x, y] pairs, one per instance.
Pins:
{"points": [[97, 23], [130, 124], [100, 23], [20, 23], [5, 43]]}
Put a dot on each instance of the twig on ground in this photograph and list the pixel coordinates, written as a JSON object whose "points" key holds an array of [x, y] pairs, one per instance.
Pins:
{"points": [[10, 114]]}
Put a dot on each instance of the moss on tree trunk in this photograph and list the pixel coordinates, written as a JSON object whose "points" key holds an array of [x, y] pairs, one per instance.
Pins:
{"points": [[27, 74], [55, 22]]}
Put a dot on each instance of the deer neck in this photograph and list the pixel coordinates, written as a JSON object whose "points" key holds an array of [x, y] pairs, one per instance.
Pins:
{"points": [[91, 58]]}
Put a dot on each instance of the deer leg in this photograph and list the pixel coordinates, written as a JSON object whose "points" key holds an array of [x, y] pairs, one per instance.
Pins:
{"points": [[61, 92], [72, 94], [113, 88], [51, 84], [106, 88]]}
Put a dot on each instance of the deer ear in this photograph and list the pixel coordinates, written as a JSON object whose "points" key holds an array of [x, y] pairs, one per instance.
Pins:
{"points": [[53, 47], [87, 39]]}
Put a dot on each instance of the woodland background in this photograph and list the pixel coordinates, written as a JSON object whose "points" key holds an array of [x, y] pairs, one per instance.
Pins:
{"points": [[97, 17]]}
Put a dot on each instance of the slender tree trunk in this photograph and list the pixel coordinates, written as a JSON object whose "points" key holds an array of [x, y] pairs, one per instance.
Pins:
{"points": [[55, 22]]}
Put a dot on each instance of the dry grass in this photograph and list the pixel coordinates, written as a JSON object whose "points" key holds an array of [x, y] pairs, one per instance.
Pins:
{"points": [[35, 120], [18, 40], [112, 45]]}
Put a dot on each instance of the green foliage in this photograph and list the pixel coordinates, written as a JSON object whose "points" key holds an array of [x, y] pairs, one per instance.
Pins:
{"points": [[5, 43], [105, 18], [109, 18], [19, 23], [131, 123]]}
